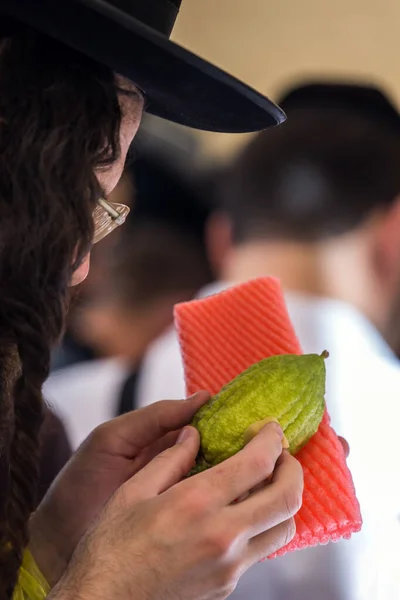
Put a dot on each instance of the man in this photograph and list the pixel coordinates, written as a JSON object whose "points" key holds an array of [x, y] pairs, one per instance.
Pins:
{"points": [[316, 203], [67, 123]]}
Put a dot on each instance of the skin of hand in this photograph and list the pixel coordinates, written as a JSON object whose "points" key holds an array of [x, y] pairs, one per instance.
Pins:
{"points": [[111, 455], [164, 537]]}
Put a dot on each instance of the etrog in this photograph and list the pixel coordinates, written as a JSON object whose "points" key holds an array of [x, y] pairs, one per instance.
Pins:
{"points": [[288, 388]]}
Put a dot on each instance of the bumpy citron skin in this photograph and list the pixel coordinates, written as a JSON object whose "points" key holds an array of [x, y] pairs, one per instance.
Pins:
{"points": [[288, 388]]}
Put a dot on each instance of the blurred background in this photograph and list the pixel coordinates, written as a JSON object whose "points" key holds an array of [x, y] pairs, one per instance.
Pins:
{"points": [[315, 202], [271, 45]]}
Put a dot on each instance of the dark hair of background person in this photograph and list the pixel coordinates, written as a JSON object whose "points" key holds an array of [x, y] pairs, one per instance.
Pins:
{"points": [[59, 121], [162, 247], [158, 260], [322, 172]]}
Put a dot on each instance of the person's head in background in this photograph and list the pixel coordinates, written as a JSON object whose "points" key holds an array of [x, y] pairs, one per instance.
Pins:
{"points": [[316, 202], [159, 258]]}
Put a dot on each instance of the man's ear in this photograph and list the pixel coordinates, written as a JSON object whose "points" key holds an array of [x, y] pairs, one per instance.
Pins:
{"points": [[387, 244], [218, 240]]}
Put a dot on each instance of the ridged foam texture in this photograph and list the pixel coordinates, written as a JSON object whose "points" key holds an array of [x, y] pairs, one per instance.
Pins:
{"points": [[221, 336]]}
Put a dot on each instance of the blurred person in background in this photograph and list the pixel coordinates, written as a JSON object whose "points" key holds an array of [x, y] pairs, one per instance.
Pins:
{"points": [[158, 259], [316, 203]]}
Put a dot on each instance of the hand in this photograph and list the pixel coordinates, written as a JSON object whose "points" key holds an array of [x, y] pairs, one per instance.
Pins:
{"points": [[109, 457], [161, 537]]}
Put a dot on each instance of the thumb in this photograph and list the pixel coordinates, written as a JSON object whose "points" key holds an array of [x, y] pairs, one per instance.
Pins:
{"points": [[167, 468]]}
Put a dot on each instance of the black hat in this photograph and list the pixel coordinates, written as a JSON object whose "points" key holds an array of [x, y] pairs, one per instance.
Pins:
{"points": [[366, 101], [132, 38]]}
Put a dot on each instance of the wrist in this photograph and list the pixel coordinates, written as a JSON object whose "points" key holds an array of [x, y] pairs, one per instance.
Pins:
{"points": [[62, 592], [72, 586]]}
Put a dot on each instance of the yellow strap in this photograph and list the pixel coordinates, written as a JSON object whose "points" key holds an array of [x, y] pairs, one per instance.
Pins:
{"points": [[31, 583]]}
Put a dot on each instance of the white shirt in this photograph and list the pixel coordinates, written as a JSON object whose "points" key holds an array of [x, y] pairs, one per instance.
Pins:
{"points": [[363, 399]]}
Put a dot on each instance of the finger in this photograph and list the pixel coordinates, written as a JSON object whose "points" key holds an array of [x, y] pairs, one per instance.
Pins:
{"points": [[276, 502], [128, 434], [265, 544], [150, 452], [242, 472], [345, 445], [168, 468]]}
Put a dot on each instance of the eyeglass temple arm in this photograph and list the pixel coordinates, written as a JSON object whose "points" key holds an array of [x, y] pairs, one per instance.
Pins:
{"points": [[109, 209]]}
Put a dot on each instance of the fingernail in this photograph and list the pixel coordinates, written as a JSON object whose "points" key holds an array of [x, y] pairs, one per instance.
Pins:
{"points": [[285, 443], [277, 427], [197, 394], [243, 497], [184, 435]]}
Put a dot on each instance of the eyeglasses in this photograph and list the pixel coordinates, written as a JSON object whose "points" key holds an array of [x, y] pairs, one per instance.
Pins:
{"points": [[107, 216]]}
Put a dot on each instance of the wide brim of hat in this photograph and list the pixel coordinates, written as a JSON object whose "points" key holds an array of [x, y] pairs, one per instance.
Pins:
{"points": [[179, 86]]}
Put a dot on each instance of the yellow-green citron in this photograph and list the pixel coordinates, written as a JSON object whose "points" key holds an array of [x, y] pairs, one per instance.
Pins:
{"points": [[288, 387]]}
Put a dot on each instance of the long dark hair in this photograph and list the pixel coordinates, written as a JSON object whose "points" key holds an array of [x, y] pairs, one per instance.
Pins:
{"points": [[59, 121]]}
